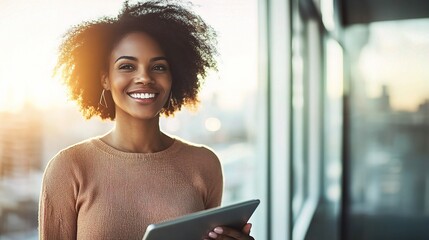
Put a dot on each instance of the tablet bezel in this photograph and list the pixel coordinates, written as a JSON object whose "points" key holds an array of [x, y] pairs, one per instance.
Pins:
{"points": [[196, 226]]}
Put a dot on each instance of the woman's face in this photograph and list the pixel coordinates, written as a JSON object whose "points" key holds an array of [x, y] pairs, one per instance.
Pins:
{"points": [[139, 77]]}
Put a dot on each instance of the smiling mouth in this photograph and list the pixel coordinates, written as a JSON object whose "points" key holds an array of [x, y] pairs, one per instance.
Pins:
{"points": [[142, 95]]}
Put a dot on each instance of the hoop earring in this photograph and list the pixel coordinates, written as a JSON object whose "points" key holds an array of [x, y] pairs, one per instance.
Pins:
{"points": [[103, 101]]}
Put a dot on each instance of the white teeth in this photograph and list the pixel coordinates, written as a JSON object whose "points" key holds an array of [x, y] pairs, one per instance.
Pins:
{"points": [[142, 95]]}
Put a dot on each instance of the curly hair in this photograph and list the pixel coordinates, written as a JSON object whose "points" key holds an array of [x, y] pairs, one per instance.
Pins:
{"points": [[188, 42]]}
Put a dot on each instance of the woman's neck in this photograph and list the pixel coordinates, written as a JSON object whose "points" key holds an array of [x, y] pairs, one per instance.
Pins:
{"points": [[140, 136]]}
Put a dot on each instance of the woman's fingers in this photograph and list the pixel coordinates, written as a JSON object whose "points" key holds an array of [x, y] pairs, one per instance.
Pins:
{"points": [[226, 233], [247, 228]]}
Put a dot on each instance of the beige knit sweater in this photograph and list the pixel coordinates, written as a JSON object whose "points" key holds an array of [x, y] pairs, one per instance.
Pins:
{"points": [[93, 191]]}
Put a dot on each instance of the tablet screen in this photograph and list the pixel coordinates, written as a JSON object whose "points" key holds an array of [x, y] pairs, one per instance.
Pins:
{"points": [[197, 225]]}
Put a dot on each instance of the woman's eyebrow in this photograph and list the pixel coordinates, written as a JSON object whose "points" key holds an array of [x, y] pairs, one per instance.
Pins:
{"points": [[158, 59], [135, 59], [126, 57]]}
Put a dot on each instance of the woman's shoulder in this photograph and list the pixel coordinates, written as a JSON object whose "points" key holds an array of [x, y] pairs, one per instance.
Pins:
{"points": [[70, 154], [198, 153], [82, 147], [195, 148]]}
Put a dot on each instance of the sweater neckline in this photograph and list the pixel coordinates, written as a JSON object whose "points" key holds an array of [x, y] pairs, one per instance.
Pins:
{"points": [[103, 146]]}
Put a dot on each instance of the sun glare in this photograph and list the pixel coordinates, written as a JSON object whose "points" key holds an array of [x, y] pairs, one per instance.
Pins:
{"points": [[25, 76], [31, 32], [24, 69]]}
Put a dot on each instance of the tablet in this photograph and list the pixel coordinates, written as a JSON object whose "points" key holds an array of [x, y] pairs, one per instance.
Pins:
{"points": [[196, 226]]}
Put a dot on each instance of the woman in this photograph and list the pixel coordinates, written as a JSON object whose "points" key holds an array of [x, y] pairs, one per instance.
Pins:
{"points": [[147, 61]]}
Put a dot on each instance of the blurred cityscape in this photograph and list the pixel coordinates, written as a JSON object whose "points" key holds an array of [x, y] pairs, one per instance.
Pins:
{"points": [[390, 169], [390, 158], [389, 131], [21, 153]]}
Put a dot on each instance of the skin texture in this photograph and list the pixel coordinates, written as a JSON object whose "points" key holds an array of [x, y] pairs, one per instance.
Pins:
{"points": [[138, 65]]}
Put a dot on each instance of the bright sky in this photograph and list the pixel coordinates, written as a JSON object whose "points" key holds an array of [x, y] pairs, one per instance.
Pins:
{"points": [[31, 32]]}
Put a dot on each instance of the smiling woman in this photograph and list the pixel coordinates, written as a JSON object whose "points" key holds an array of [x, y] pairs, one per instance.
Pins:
{"points": [[37, 119], [149, 60]]}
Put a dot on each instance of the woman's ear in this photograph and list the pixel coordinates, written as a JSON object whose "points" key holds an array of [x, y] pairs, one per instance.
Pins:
{"points": [[104, 79]]}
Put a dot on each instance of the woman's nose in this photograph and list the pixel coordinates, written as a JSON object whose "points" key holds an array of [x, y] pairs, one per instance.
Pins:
{"points": [[143, 78]]}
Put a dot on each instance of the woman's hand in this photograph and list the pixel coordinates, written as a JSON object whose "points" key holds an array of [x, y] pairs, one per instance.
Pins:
{"points": [[226, 233]]}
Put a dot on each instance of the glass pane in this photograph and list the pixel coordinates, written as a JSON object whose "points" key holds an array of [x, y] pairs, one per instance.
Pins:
{"points": [[333, 122], [299, 108], [389, 130], [326, 220]]}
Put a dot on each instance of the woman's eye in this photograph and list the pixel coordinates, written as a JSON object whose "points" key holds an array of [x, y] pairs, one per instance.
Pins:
{"points": [[126, 67], [159, 68]]}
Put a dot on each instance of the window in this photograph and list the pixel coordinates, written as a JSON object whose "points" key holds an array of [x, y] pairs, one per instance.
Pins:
{"points": [[389, 129], [306, 118]]}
